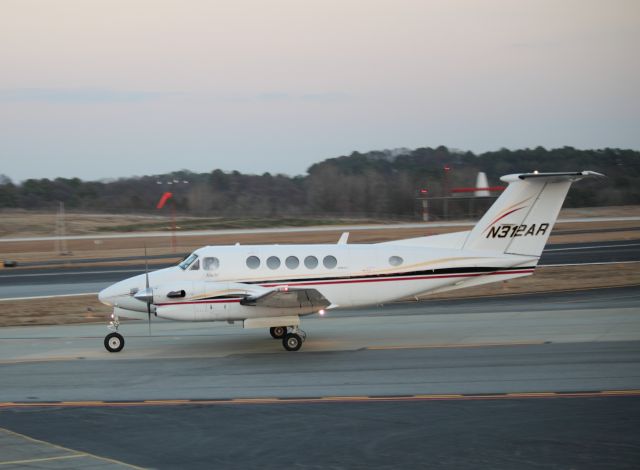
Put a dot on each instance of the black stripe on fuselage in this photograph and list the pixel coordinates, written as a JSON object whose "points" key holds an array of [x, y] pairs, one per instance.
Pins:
{"points": [[425, 272]]}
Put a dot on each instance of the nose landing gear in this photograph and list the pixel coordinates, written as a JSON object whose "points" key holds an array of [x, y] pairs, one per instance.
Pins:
{"points": [[114, 342]]}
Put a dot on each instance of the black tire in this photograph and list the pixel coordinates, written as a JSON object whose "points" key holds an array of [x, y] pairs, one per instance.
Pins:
{"points": [[114, 342], [278, 332], [292, 342]]}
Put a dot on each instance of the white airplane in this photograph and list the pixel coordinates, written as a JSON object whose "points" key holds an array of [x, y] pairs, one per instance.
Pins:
{"points": [[272, 286]]}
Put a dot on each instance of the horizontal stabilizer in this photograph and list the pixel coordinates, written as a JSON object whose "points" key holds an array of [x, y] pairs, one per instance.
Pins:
{"points": [[558, 176]]}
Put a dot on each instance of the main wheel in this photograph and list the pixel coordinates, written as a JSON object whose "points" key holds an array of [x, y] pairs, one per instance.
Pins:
{"points": [[278, 332], [114, 342], [292, 342]]}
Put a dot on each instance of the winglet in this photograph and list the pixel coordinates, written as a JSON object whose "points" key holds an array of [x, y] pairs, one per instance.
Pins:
{"points": [[343, 238]]}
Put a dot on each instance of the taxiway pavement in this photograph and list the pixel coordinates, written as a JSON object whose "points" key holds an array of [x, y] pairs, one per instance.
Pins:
{"points": [[550, 343]]}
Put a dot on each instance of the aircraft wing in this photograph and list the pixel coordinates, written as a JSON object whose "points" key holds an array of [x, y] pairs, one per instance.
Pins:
{"points": [[288, 298]]}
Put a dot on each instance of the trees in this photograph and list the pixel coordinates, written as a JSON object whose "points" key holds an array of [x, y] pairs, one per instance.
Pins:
{"points": [[374, 184], [8, 192]]}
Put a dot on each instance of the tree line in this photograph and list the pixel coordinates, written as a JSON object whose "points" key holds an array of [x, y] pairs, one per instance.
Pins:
{"points": [[380, 184]]}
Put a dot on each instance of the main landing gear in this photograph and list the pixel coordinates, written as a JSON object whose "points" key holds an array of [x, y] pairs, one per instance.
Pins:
{"points": [[292, 337], [114, 342], [278, 332]]}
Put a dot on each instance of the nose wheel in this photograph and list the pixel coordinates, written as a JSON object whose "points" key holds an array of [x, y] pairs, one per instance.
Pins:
{"points": [[114, 341]]}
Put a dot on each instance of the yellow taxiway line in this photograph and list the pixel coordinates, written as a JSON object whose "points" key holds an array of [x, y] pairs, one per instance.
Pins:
{"points": [[454, 345], [324, 399]]}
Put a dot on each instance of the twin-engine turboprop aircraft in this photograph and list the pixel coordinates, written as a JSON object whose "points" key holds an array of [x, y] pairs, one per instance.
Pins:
{"points": [[272, 286]]}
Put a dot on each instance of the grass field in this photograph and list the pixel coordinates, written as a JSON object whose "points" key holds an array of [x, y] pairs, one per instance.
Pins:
{"points": [[21, 223]]}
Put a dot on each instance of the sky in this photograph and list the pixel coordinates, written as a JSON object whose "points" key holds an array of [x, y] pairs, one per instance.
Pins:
{"points": [[114, 88]]}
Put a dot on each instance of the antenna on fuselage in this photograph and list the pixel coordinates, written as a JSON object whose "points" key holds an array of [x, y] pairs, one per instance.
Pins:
{"points": [[343, 238]]}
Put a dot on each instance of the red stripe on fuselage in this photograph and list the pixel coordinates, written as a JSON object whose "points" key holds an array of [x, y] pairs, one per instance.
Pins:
{"points": [[211, 301]]}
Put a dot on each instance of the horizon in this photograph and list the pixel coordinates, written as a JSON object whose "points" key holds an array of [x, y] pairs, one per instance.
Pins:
{"points": [[306, 173]]}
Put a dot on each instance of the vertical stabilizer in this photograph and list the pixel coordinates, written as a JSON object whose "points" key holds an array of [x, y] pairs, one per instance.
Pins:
{"points": [[522, 218], [482, 182]]}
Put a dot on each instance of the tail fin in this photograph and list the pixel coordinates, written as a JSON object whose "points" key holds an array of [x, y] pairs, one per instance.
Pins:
{"points": [[522, 218]]}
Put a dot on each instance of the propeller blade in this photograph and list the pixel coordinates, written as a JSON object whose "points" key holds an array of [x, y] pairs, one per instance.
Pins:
{"points": [[146, 267], [148, 290]]}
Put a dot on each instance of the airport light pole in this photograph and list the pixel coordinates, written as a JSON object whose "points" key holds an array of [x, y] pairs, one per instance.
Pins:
{"points": [[446, 188]]}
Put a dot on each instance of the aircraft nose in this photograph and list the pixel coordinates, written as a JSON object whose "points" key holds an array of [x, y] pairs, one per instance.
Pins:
{"points": [[105, 296]]}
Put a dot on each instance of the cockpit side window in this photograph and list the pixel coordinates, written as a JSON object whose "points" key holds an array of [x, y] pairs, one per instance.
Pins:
{"points": [[210, 264], [195, 266], [187, 262]]}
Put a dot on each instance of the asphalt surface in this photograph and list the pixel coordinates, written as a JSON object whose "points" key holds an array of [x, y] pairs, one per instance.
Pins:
{"points": [[85, 279], [561, 433], [535, 381]]}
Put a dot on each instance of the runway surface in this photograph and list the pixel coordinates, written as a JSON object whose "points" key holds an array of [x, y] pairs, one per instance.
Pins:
{"points": [[508, 382], [83, 279]]}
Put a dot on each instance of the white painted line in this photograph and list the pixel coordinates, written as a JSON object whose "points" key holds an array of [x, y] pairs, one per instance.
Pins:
{"points": [[111, 271], [592, 247], [42, 459], [47, 296], [586, 264], [199, 233], [318, 228]]}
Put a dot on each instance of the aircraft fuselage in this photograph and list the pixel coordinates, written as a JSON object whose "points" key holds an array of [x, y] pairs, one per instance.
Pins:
{"points": [[212, 285]]}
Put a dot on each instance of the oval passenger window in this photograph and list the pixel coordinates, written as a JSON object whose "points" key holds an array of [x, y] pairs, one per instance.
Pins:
{"points": [[292, 262], [311, 262], [330, 262], [273, 262], [253, 262]]}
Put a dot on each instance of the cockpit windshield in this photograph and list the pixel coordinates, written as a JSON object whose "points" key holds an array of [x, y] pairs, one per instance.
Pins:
{"points": [[187, 262]]}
